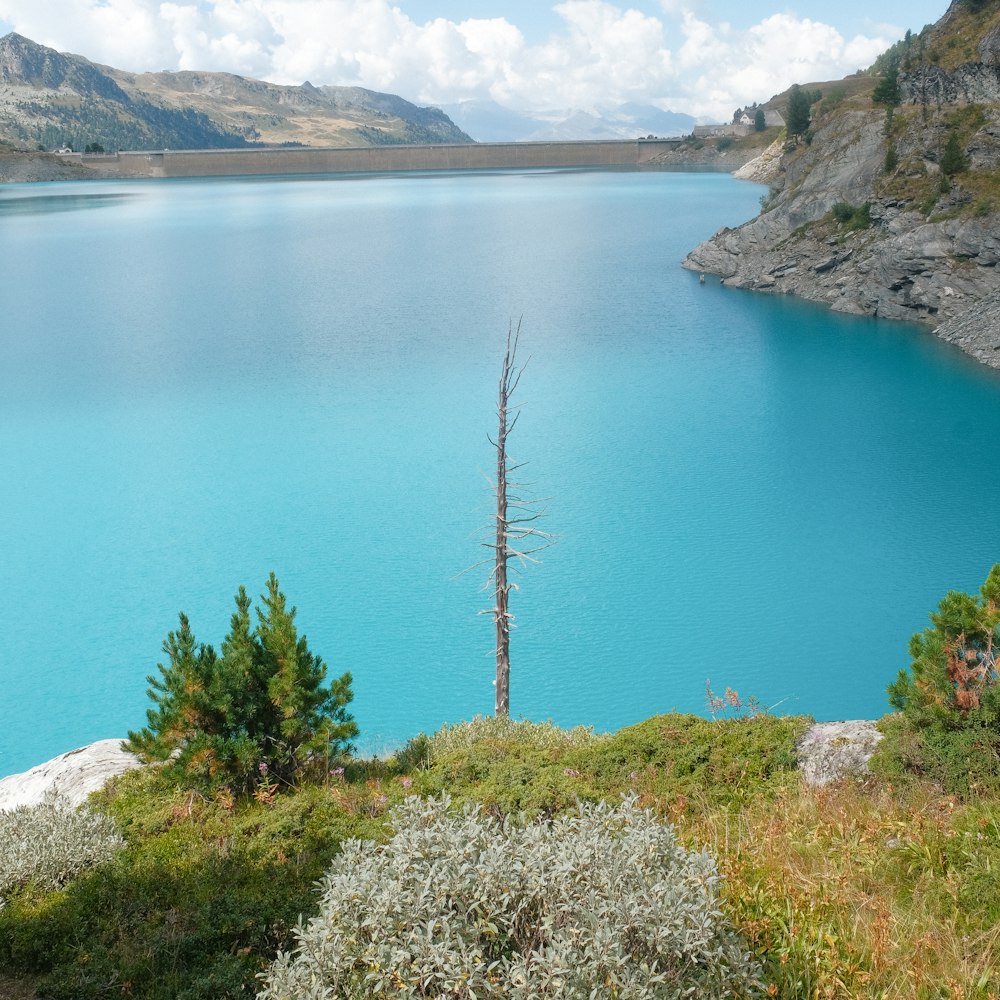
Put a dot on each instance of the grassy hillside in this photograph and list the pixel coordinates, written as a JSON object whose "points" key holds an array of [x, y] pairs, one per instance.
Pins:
{"points": [[866, 889]]}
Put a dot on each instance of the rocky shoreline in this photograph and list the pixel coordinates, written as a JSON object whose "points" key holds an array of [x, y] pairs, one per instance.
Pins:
{"points": [[863, 219], [943, 275], [25, 167]]}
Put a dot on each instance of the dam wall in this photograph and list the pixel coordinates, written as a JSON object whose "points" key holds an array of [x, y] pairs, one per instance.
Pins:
{"points": [[373, 159]]}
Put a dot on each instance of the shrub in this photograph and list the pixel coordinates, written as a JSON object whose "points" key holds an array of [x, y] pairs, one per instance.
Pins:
{"points": [[463, 736], [259, 713], [194, 908], [541, 770], [676, 756], [852, 217], [48, 844], [604, 902], [950, 697], [953, 159], [833, 99], [842, 212], [953, 674]]}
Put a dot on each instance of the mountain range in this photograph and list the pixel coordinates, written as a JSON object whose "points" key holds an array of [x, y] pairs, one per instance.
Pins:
{"points": [[487, 121], [52, 99]]}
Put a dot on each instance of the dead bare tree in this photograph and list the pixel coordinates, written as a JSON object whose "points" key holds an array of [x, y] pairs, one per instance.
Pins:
{"points": [[517, 536]]}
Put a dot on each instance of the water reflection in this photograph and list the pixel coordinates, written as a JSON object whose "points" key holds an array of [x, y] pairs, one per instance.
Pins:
{"points": [[35, 204]]}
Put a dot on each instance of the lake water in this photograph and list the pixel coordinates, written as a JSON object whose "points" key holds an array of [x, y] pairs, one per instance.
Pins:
{"points": [[204, 381]]}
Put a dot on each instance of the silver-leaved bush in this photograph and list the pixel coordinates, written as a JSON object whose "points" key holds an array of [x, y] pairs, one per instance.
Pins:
{"points": [[50, 843], [603, 903]]}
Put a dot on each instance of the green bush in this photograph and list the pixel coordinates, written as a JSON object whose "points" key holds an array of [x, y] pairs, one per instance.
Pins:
{"points": [[47, 845], [949, 699], [601, 903], [833, 99], [725, 761], [842, 212], [513, 767], [499, 730], [257, 714], [852, 217]]}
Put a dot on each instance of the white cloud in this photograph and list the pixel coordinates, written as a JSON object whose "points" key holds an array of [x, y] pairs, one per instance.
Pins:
{"points": [[603, 53], [729, 68], [101, 31]]}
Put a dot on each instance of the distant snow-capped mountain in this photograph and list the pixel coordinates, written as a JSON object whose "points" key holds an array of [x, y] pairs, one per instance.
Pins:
{"points": [[487, 121]]}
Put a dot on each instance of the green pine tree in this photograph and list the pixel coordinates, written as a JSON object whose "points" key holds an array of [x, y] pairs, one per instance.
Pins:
{"points": [[262, 707], [797, 115], [953, 159], [887, 89], [953, 678]]}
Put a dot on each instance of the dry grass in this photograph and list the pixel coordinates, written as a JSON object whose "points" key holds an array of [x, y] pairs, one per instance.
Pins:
{"points": [[863, 892], [955, 41]]}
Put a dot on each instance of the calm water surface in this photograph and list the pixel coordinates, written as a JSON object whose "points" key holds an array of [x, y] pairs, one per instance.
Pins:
{"points": [[204, 381]]}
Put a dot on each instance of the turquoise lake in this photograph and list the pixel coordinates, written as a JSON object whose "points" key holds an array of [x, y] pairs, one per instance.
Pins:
{"points": [[204, 381]]}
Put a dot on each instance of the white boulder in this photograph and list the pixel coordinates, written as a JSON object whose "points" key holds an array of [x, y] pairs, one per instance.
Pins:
{"points": [[72, 776]]}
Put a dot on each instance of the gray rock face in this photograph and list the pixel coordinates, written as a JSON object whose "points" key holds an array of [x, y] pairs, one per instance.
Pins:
{"points": [[72, 776], [829, 751], [903, 265], [977, 331], [989, 48], [977, 83]]}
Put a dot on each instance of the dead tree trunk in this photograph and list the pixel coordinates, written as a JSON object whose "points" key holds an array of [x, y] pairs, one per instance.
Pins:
{"points": [[511, 531], [501, 613]]}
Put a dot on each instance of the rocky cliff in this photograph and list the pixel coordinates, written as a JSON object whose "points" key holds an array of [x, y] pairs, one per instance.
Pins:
{"points": [[892, 213]]}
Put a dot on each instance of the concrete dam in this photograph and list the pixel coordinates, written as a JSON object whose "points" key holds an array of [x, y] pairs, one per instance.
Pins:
{"points": [[633, 153]]}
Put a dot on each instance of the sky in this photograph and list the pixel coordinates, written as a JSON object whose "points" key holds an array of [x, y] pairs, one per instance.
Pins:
{"points": [[703, 57]]}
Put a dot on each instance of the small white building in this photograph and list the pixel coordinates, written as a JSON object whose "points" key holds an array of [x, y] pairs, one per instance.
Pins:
{"points": [[717, 131]]}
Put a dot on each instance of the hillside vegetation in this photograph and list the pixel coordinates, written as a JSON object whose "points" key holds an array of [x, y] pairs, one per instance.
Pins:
{"points": [[858, 890]]}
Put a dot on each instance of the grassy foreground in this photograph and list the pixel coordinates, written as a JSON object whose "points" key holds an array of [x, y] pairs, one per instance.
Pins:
{"points": [[860, 890]]}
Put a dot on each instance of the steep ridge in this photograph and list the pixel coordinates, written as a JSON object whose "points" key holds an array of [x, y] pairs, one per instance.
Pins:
{"points": [[892, 210], [52, 99]]}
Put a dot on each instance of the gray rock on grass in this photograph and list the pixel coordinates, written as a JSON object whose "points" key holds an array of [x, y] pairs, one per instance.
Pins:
{"points": [[829, 751]]}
